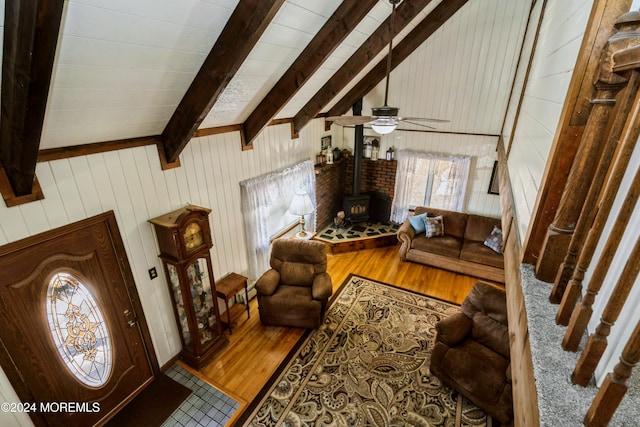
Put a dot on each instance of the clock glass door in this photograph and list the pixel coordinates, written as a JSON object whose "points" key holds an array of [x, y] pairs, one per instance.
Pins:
{"points": [[198, 295], [181, 312], [198, 274]]}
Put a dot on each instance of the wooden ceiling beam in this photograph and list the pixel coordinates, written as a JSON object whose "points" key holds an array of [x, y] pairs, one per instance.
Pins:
{"points": [[30, 38], [411, 42], [333, 32], [242, 31], [377, 41]]}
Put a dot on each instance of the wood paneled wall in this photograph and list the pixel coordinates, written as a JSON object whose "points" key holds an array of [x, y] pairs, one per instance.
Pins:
{"points": [[554, 59], [463, 72]]}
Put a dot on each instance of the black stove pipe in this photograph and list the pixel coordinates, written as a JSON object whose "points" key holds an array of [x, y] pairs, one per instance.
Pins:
{"points": [[358, 149]]}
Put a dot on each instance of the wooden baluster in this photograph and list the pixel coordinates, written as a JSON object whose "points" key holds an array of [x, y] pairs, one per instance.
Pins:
{"points": [[582, 313], [582, 171], [620, 119], [597, 342], [614, 387]]}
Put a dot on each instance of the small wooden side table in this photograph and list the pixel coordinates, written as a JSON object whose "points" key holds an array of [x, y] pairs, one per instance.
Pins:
{"points": [[227, 288]]}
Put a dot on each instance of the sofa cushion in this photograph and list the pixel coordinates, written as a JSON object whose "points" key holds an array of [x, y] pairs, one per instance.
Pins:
{"points": [[434, 226], [298, 251], [491, 333], [477, 369], [486, 305], [443, 245], [420, 210], [494, 240], [290, 306], [479, 227], [417, 222], [478, 252], [455, 223], [296, 273]]}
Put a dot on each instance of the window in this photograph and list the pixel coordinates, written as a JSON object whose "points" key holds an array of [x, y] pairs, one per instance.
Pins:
{"points": [[425, 179], [278, 216], [79, 330], [265, 202]]}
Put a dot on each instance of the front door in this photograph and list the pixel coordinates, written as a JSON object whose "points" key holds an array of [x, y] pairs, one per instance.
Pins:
{"points": [[71, 324]]}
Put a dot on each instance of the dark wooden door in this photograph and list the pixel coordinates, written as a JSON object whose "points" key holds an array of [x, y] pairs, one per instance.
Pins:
{"points": [[68, 307]]}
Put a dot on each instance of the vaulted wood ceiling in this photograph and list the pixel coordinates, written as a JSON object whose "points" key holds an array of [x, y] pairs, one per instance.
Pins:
{"points": [[179, 67]]}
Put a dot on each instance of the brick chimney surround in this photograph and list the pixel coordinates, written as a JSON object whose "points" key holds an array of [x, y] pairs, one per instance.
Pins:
{"points": [[334, 181]]}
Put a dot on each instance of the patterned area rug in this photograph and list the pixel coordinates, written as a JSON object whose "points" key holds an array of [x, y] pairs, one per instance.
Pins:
{"points": [[368, 365]]}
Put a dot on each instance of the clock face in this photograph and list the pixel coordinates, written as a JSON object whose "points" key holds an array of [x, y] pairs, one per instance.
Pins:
{"points": [[193, 236]]}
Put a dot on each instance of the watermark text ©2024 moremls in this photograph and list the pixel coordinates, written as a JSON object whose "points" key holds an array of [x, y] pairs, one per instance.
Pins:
{"points": [[50, 407]]}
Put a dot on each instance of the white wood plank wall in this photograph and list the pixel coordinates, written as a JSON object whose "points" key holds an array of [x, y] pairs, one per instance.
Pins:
{"points": [[131, 183], [463, 72], [558, 45]]}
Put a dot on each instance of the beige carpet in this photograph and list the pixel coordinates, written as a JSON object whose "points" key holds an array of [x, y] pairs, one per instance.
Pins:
{"points": [[368, 365]]}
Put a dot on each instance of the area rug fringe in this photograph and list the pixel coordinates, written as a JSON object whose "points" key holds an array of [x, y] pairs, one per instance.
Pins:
{"points": [[367, 365]]}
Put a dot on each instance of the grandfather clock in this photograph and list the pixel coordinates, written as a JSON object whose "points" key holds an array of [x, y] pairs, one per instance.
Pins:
{"points": [[184, 238]]}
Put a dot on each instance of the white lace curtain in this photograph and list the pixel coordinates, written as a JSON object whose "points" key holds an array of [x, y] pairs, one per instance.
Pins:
{"points": [[258, 198], [410, 179]]}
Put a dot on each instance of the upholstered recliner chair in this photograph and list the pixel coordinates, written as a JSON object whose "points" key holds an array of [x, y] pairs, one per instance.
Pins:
{"points": [[471, 353], [294, 292]]}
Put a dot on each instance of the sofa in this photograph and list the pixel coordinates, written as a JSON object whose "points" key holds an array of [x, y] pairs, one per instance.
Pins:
{"points": [[471, 353], [463, 248], [295, 290]]}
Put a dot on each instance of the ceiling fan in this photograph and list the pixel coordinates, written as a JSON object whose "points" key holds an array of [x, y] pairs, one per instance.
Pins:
{"points": [[385, 119]]}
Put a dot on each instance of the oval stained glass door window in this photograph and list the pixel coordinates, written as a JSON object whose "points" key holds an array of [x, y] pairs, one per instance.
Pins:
{"points": [[79, 330]]}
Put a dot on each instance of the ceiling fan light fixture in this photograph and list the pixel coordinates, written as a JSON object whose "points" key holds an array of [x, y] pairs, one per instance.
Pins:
{"points": [[384, 111], [383, 129], [385, 124]]}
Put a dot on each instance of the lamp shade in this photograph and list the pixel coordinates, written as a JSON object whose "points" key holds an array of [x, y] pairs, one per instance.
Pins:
{"points": [[301, 203]]}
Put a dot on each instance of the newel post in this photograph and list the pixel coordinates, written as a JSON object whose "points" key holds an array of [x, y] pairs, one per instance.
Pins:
{"points": [[577, 246], [607, 85]]}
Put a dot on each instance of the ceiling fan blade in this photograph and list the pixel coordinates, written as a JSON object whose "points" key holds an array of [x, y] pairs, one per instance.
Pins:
{"points": [[349, 120], [423, 119], [418, 124]]}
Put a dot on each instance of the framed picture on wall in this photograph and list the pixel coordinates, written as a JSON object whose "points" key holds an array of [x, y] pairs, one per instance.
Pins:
{"points": [[494, 184], [325, 142]]}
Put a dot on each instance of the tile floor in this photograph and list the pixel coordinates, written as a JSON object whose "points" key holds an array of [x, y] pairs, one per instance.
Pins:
{"points": [[356, 231], [206, 406]]}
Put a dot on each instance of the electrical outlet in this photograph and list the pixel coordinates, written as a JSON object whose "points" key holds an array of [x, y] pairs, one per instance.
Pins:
{"points": [[153, 273]]}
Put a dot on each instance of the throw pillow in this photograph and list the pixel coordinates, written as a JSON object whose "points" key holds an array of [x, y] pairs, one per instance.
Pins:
{"points": [[434, 226], [417, 222], [494, 241]]}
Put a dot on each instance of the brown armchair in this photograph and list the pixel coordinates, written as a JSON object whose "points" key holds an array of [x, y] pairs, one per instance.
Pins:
{"points": [[294, 292], [471, 353]]}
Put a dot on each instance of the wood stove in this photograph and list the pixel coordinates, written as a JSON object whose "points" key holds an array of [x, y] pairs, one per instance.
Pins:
{"points": [[356, 207]]}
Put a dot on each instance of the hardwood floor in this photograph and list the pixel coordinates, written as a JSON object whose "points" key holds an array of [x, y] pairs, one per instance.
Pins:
{"points": [[255, 350]]}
